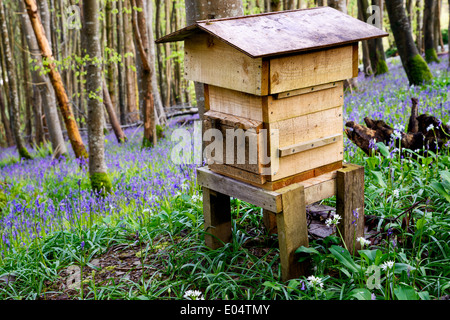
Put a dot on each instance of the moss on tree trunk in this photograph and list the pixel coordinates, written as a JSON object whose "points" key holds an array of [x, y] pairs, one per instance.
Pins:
{"points": [[101, 183], [419, 70], [431, 55]]}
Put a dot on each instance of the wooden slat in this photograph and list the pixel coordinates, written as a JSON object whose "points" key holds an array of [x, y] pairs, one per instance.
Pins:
{"points": [[239, 173], [313, 144], [311, 69], [297, 92], [308, 127], [308, 160], [211, 61], [234, 121], [355, 60], [265, 199], [236, 103]]}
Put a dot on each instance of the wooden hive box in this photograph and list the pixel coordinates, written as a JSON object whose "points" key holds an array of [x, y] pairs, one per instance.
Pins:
{"points": [[279, 77]]}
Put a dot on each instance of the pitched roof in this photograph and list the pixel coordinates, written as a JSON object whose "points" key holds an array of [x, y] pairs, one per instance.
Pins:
{"points": [[282, 32]]}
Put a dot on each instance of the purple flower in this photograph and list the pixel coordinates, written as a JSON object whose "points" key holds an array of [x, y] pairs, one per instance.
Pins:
{"points": [[82, 245]]}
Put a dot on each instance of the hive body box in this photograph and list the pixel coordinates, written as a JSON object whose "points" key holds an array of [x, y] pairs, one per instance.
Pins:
{"points": [[279, 77]]}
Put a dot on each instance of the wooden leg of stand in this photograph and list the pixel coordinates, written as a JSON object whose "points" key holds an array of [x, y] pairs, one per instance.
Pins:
{"points": [[270, 221], [350, 204], [292, 231], [217, 213]]}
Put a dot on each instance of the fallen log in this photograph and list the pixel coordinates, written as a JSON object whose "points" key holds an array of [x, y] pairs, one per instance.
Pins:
{"points": [[424, 133]]}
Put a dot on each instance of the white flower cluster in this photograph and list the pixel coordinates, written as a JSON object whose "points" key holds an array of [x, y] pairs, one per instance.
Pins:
{"points": [[315, 281], [364, 242], [193, 295], [387, 265], [335, 221]]}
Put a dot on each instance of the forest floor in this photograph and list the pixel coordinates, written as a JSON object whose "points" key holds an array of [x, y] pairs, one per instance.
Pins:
{"points": [[145, 241]]}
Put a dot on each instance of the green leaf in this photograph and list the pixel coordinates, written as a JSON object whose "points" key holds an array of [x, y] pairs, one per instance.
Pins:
{"points": [[439, 188], [373, 256], [272, 285], [307, 252], [379, 178], [344, 257], [361, 294], [404, 292], [383, 149]]}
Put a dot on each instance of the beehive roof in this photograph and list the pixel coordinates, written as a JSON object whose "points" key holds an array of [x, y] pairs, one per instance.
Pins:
{"points": [[283, 32]]}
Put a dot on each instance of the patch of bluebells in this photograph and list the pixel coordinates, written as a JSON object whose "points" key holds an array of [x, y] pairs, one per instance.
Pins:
{"points": [[46, 195]]}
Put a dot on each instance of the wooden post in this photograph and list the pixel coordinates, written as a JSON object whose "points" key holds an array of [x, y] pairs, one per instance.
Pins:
{"points": [[270, 221], [350, 204], [217, 213], [292, 231]]}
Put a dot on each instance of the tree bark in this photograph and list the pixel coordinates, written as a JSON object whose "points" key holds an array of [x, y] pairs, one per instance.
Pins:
{"points": [[159, 108], [141, 38], [94, 82], [56, 80], [130, 74], [415, 67], [45, 89], [6, 125], [12, 83], [120, 135], [419, 26], [120, 70], [429, 15], [424, 133]]}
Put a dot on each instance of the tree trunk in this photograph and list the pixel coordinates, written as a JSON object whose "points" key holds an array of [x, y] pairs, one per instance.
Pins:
{"points": [[5, 121], [56, 80], [419, 26], [94, 82], [120, 70], [413, 63], [45, 88], [12, 83], [141, 38], [159, 108], [120, 135], [130, 74], [429, 15], [340, 5]]}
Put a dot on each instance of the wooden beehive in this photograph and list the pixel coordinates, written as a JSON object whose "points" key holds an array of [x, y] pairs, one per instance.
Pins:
{"points": [[279, 77]]}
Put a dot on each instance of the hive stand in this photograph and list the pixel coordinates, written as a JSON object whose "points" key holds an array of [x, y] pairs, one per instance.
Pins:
{"points": [[288, 206]]}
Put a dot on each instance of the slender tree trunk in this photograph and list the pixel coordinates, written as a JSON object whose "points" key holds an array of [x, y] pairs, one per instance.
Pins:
{"points": [[94, 83], [120, 69], [44, 87], [419, 23], [130, 74], [12, 82], [120, 135], [159, 108], [340, 5], [5, 121], [55, 77], [429, 13], [413, 63], [141, 38]]}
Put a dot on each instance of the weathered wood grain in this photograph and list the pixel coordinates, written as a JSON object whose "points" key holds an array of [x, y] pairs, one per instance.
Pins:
{"points": [[311, 69]]}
